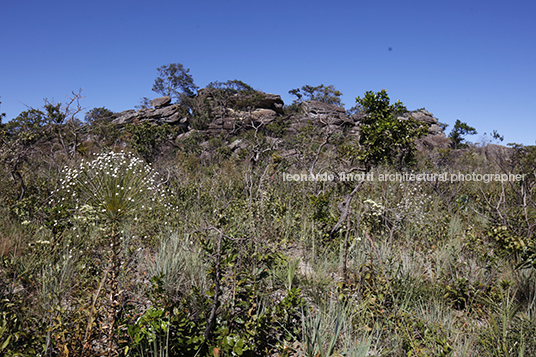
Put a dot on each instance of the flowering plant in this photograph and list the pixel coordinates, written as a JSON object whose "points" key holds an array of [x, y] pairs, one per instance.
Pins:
{"points": [[112, 186]]}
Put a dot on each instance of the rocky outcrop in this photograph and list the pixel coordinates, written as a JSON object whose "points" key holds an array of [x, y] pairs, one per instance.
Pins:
{"points": [[436, 137], [163, 113], [229, 120], [230, 113], [423, 115], [161, 102], [271, 102], [240, 111], [324, 113], [328, 117], [496, 153]]}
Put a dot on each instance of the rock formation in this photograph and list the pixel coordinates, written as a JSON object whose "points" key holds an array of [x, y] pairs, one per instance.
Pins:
{"points": [[436, 137], [323, 115], [231, 112], [162, 113]]}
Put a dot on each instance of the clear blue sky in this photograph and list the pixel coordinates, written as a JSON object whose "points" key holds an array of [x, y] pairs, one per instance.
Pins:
{"points": [[468, 60]]}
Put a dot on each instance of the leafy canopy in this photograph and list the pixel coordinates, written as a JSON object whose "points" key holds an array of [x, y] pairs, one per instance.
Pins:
{"points": [[99, 115], [175, 81], [383, 137], [321, 93], [232, 86], [458, 133], [28, 126]]}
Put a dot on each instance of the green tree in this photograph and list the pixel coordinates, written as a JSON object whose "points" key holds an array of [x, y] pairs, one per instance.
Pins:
{"points": [[458, 133], [234, 94], [99, 125], [232, 86], [175, 81], [99, 115], [216, 95], [146, 138], [321, 93], [28, 126], [383, 137]]}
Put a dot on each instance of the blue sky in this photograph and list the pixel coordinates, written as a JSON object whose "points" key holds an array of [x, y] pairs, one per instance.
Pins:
{"points": [[468, 60]]}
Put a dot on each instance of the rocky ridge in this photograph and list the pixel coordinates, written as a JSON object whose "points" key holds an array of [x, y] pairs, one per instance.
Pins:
{"points": [[226, 117]]}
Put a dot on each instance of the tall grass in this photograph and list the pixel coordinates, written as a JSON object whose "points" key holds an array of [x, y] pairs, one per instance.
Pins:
{"points": [[178, 260]]}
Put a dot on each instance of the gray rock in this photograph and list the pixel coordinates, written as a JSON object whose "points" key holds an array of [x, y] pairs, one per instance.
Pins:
{"points": [[436, 130], [271, 101], [236, 144], [172, 119], [263, 116], [169, 114], [496, 153], [160, 102], [125, 117], [424, 116], [324, 113], [430, 142]]}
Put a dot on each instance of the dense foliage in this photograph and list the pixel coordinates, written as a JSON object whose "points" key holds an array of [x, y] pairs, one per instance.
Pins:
{"points": [[141, 242]]}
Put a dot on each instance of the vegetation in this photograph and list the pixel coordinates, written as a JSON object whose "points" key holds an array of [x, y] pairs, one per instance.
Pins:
{"points": [[175, 81], [141, 242], [321, 93], [458, 133]]}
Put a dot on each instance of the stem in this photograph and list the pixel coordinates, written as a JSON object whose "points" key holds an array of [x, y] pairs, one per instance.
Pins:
{"points": [[115, 295], [345, 209], [89, 327], [212, 316], [345, 254]]}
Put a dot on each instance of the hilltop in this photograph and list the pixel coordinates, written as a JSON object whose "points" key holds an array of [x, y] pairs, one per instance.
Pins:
{"points": [[224, 222]]}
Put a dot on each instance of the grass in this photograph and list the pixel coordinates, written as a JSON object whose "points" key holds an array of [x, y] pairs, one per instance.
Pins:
{"points": [[429, 281]]}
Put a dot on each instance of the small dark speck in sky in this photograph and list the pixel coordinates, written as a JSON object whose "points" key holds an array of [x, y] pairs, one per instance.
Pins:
{"points": [[390, 48]]}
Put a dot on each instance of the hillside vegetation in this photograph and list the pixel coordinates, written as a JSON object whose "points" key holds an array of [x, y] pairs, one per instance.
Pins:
{"points": [[146, 238]]}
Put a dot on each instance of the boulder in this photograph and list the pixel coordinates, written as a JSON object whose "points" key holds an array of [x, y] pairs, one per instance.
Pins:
{"points": [[124, 117], [324, 113], [263, 116], [436, 137], [160, 102], [271, 101], [424, 116], [162, 115], [496, 153], [327, 117], [430, 142]]}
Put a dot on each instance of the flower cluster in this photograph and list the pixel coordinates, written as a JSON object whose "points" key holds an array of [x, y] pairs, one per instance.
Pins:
{"points": [[376, 209], [413, 202], [111, 186]]}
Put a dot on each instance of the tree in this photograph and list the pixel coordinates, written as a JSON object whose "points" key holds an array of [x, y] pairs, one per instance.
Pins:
{"points": [[232, 86], [99, 125], [22, 136], [144, 103], [27, 126], [383, 137], [459, 131], [146, 138], [64, 122], [217, 97], [99, 115], [321, 93], [175, 81], [234, 94]]}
